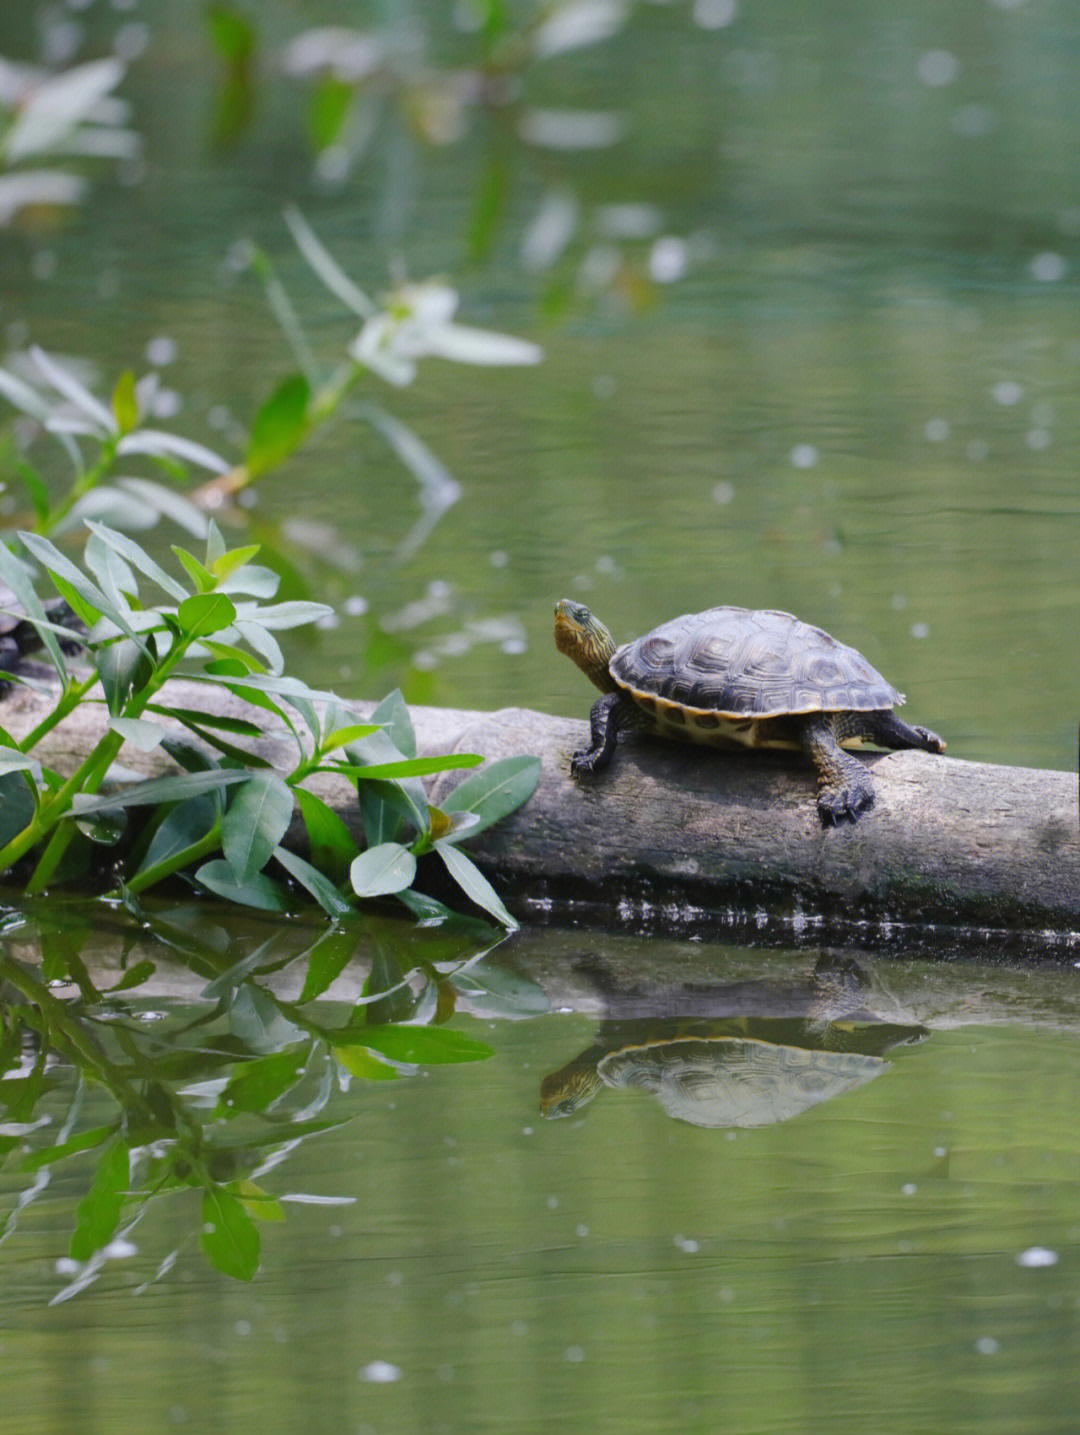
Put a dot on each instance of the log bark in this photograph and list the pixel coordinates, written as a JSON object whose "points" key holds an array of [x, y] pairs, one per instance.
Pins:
{"points": [[687, 840]]}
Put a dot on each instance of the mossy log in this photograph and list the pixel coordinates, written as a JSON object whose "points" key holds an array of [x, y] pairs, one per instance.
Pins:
{"points": [[683, 839]]}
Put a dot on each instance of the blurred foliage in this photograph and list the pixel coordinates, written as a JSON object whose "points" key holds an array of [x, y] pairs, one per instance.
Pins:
{"points": [[207, 1099]]}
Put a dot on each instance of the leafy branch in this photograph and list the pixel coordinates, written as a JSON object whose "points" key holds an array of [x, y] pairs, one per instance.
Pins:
{"points": [[213, 622]]}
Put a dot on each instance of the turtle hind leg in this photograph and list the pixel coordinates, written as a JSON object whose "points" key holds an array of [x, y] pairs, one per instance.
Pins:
{"points": [[605, 720], [888, 730], [844, 786]]}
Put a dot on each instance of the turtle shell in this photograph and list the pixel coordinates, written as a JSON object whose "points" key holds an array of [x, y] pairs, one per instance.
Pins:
{"points": [[732, 1081], [741, 663]]}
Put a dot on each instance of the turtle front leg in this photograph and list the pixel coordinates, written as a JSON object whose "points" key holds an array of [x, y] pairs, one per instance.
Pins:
{"points": [[888, 730], [604, 722], [844, 786]]}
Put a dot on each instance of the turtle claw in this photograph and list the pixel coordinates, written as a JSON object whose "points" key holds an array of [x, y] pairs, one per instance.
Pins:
{"points": [[839, 804], [583, 763], [930, 740]]}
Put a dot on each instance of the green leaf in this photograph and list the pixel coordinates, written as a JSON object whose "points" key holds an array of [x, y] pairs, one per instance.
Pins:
{"points": [[98, 1213], [241, 726], [17, 579], [228, 563], [252, 580], [332, 844], [259, 1204], [182, 829], [497, 991], [280, 425], [382, 870], [259, 1083], [357, 1061], [387, 994], [35, 485], [230, 1237], [76, 587], [160, 789], [257, 1019], [326, 961], [117, 580], [11, 760], [125, 405], [16, 806], [130, 550], [407, 767], [340, 736], [285, 615], [423, 1045], [262, 642], [140, 733], [231, 33], [329, 106], [231, 661], [188, 755], [215, 546], [201, 576], [495, 792], [392, 715], [85, 1141], [258, 818], [474, 884], [258, 891], [104, 828], [122, 666], [205, 613], [385, 807], [313, 881]]}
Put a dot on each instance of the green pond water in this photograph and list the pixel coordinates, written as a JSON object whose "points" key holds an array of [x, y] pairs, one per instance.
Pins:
{"points": [[812, 342]]}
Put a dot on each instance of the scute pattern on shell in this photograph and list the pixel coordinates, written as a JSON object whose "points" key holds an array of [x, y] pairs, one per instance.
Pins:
{"points": [[738, 662]]}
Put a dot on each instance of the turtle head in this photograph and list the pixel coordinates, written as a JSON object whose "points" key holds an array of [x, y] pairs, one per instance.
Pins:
{"points": [[566, 1091], [585, 639]]}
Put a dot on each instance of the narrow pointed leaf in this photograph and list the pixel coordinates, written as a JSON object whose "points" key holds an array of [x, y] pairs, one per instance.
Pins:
{"points": [[259, 1083], [98, 1213], [499, 789], [160, 789], [424, 1045], [230, 1238], [280, 425], [129, 549], [182, 829], [140, 733], [258, 891], [67, 384], [313, 881], [125, 405], [474, 884], [14, 574], [258, 818], [326, 961], [202, 578], [333, 846]]}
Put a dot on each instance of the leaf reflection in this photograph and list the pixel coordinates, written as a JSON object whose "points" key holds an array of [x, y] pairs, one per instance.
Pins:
{"points": [[209, 1096]]}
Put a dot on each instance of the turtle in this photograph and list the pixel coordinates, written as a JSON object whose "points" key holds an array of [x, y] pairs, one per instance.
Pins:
{"points": [[737, 676], [718, 1077]]}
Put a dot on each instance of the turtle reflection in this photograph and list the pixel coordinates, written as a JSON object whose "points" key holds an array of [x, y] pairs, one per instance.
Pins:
{"points": [[726, 1061]]}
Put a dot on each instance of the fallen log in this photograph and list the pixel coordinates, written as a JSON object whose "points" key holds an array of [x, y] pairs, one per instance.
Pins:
{"points": [[679, 839]]}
